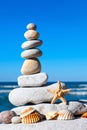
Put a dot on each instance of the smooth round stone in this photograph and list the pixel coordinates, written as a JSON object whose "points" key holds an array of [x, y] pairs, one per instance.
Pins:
{"points": [[31, 66], [31, 44], [31, 53], [16, 120], [77, 108], [35, 80], [31, 26], [31, 35], [6, 116]]}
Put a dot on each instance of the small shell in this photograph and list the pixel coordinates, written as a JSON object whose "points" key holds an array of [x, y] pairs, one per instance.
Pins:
{"points": [[51, 115], [27, 111], [84, 115], [65, 115], [31, 118]]}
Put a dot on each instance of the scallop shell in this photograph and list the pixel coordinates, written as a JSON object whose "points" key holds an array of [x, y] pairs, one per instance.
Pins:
{"points": [[84, 115], [51, 115], [31, 118], [65, 115], [27, 111]]}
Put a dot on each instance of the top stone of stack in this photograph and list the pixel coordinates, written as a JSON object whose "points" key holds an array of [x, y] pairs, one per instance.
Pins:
{"points": [[31, 34], [31, 26]]}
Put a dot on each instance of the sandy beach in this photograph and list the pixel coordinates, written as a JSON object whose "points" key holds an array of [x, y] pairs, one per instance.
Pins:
{"points": [[77, 124]]}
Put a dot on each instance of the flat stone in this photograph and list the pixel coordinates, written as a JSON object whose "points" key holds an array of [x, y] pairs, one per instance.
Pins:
{"points": [[31, 44], [42, 108], [77, 108], [32, 80], [21, 96], [31, 66], [31, 26], [31, 53], [45, 108], [31, 35], [16, 119]]}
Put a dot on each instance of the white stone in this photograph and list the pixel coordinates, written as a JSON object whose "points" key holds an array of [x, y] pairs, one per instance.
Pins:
{"points": [[16, 120], [31, 44], [34, 80], [43, 108], [21, 96], [31, 53]]}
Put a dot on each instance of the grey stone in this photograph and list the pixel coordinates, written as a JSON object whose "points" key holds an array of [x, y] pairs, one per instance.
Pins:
{"points": [[6, 116], [32, 80], [21, 96], [31, 44], [77, 108], [31, 53]]}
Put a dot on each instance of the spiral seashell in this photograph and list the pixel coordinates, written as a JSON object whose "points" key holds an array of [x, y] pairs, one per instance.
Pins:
{"points": [[65, 115], [51, 115], [31, 118], [84, 115]]}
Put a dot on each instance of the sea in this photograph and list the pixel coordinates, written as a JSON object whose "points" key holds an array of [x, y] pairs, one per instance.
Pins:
{"points": [[78, 93]]}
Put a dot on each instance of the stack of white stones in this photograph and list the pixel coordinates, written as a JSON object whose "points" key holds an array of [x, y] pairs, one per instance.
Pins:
{"points": [[31, 81], [31, 67]]}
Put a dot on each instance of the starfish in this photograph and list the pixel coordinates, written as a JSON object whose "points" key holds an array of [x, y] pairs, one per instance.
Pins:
{"points": [[59, 93]]}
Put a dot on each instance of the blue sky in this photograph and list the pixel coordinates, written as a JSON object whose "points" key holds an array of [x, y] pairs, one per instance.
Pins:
{"points": [[63, 28]]}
